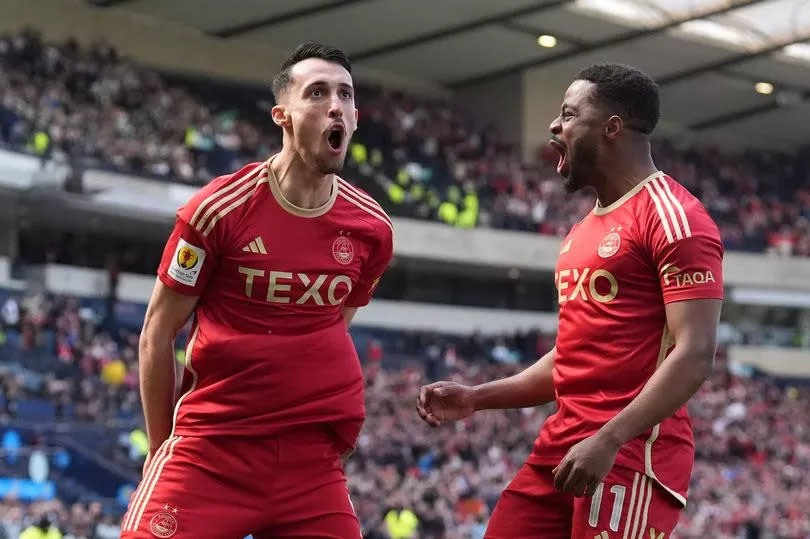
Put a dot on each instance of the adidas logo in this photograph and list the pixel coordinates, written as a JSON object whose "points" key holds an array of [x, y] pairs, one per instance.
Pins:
{"points": [[256, 246]]}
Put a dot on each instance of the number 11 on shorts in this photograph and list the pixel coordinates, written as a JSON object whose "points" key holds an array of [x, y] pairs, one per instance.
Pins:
{"points": [[618, 492]]}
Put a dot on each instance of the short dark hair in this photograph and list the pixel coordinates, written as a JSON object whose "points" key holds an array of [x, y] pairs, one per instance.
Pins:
{"points": [[304, 51], [627, 92]]}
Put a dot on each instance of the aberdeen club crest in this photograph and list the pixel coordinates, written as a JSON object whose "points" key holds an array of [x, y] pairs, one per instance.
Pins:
{"points": [[164, 524], [609, 245], [343, 250]]}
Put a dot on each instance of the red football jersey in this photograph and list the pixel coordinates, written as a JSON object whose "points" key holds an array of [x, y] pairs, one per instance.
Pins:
{"points": [[269, 347], [617, 270]]}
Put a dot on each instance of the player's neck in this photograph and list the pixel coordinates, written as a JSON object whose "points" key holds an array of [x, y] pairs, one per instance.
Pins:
{"points": [[299, 183], [622, 177]]}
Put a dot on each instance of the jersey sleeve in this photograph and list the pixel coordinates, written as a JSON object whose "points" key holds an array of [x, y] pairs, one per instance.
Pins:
{"points": [[372, 271], [688, 253], [189, 257]]}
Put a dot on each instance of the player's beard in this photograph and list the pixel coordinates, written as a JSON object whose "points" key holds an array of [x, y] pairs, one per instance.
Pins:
{"points": [[330, 164], [581, 164]]}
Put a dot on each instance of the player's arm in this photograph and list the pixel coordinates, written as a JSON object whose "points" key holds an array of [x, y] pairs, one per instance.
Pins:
{"points": [[693, 324], [531, 387], [166, 314], [188, 261], [448, 401], [692, 315]]}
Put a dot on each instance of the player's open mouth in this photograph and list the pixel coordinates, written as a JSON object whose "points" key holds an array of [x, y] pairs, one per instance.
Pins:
{"points": [[562, 164], [335, 137]]}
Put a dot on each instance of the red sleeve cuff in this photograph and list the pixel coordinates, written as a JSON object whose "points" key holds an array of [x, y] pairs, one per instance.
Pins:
{"points": [[693, 294]]}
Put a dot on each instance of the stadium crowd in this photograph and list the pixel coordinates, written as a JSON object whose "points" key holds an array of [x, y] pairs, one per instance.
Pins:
{"points": [[408, 480], [57, 520], [86, 373], [423, 158]]}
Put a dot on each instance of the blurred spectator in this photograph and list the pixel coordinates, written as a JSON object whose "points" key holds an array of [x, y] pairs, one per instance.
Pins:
{"points": [[42, 529]]}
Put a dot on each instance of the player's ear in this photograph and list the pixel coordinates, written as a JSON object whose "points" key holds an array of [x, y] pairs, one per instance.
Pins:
{"points": [[613, 127], [356, 118], [280, 115]]}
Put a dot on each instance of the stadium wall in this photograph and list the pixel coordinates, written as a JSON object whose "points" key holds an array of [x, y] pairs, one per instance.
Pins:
{"points": [[166, 45], [773, 361], [141, 202]]}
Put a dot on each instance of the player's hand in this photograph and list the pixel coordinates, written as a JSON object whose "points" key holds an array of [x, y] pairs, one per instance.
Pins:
{"points": [[444, 401], [585, 466]]}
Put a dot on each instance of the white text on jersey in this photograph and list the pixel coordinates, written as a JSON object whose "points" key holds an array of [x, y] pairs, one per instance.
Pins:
{"points": [[585, 284], [279, 283]]}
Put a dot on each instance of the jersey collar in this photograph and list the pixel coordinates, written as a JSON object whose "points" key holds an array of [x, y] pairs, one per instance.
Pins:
{"points": [[288, 206], [599, 210]]}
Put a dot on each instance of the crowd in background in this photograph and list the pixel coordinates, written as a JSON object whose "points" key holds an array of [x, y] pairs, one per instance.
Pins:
{"points": [[57, 521], [422, 158], [85, 370], [409, 480]]}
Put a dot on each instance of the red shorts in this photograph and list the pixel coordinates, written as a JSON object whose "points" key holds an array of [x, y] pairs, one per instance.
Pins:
{"points": [[627, 505], [229, 487]]}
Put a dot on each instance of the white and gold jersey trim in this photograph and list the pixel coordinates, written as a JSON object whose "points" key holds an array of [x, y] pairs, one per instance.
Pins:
{"points": [[670, 210], [353, 195], [636, 522], [140, 499], [220, 203], [599, 210], [666, 342], [288, 206]]}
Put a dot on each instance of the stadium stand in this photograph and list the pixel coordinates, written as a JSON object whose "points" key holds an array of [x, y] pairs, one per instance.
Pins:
{"points": [[434, 483], [421, 157]]}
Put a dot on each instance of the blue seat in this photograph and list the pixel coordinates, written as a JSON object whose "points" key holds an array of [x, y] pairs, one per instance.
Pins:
{"points": [[35, 410]]}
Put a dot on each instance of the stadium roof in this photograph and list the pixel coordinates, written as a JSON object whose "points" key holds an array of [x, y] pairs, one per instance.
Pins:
{"points": [[707, 52]]}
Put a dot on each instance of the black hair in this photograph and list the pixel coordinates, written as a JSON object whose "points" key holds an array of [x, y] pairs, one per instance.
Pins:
{"points": [[627, 92], [304, 51]]}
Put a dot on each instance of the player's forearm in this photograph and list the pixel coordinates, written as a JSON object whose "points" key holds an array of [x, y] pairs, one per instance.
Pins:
{"points": [[156, 364], [532, 387], [670, 387]]}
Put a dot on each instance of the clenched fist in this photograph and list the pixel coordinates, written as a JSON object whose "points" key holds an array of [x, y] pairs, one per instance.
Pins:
{"points": [[444, 401]]}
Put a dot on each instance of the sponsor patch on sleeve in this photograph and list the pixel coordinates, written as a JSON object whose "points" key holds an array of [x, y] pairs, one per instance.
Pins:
{"points": [[186, 263]]}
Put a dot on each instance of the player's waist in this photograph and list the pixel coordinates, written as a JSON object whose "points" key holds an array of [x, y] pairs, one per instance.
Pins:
{"points": [[280, 326], [309, 435], [216, 343], [566, 428]]}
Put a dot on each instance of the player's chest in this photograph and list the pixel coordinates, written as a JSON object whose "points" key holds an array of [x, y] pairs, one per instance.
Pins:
{"points": [[305, 262], [599, 261]]}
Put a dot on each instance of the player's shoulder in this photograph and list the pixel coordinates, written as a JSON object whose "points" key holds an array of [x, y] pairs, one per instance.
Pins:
{"points": [[358, 204], [221, 196], [669, 208]]}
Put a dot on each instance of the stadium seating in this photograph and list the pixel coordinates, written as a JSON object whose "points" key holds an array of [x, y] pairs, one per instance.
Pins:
{"points": [[421, 158], [751, 452]]}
